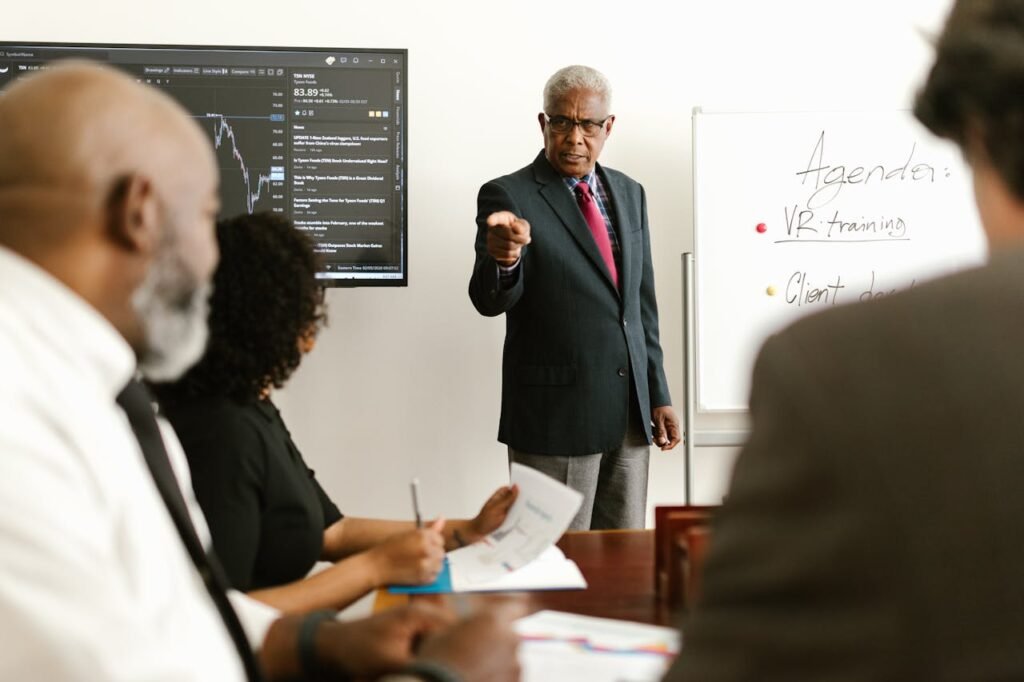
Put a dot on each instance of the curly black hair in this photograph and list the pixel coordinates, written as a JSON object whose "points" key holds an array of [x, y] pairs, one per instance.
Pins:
{"points": [[974, 94], [265, 299]]}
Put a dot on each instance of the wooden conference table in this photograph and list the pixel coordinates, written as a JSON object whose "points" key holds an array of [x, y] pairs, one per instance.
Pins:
{"points": [[619, 568]]}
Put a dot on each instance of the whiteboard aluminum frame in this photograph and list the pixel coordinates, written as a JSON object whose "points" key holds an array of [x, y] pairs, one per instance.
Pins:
{"points": [[691, 437]]}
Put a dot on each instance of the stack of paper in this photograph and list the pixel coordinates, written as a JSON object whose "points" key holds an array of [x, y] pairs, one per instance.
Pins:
{"points": [[550, 571], [567, 647]]}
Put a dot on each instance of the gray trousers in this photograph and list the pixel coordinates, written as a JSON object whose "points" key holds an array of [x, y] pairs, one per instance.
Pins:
{"points": [[613, 483]]}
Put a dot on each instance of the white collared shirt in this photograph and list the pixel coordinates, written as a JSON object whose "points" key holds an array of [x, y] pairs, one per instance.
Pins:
{"points": [[95, 583]]}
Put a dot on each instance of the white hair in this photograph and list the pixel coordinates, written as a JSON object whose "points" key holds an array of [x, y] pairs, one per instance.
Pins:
{"points": [[576, 77]]}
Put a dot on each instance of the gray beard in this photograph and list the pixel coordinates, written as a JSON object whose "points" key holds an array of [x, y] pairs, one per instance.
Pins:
{"points": [[173, 309]]}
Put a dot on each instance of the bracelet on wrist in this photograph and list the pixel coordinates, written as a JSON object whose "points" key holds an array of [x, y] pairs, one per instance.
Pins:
{"points": [[308, 659]]}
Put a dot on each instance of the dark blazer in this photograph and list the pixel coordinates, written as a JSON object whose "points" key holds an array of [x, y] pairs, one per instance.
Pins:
{"points": [[571, 340], [874, 529]]}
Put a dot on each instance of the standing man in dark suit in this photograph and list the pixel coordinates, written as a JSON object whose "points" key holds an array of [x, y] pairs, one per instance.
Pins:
{"points": [[563, 249], [873, 528]]}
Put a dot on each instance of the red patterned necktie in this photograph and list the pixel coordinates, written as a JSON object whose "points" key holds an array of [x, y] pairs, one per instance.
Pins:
{"points": [[598, 228]]}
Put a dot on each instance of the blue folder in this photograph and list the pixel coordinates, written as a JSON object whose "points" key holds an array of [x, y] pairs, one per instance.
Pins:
{"points": [[441, 585]]}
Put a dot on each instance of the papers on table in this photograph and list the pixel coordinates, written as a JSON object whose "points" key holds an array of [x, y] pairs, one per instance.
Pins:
{"points": [[520, 555], [567, 647], [550, 571], [538, 517]]}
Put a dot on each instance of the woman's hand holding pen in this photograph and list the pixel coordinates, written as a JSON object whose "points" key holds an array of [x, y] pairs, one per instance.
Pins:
{"points": [[410, 558]]}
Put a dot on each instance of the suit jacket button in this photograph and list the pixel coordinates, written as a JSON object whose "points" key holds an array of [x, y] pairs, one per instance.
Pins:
{"points": [[622, 372]]}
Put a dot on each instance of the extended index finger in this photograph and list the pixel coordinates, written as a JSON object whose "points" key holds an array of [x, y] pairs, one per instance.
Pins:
{"points": [[502, 219]]}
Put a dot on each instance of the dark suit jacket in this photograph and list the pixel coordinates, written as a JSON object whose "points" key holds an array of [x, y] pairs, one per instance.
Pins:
{"points": [[571, 339], [875, 525]]}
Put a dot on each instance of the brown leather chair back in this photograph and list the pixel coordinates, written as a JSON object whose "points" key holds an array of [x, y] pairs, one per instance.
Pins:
{"points": [[681, 536]]}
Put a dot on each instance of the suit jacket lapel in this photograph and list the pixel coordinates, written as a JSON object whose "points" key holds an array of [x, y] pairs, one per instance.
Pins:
{"points": [[557, 195]]}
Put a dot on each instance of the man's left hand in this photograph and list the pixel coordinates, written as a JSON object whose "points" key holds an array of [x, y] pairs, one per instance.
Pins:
{"points": [[666, 427]]}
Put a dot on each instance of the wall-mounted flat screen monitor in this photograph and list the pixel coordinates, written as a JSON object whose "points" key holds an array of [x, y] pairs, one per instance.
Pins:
{"points": [[315, 134]]}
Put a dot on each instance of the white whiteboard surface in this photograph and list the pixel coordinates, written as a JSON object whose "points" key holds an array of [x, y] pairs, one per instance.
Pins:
{"points": [[797, 212]]}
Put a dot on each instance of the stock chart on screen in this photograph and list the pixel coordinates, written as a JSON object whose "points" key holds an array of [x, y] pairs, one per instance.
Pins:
{"points": [[315, 134]]}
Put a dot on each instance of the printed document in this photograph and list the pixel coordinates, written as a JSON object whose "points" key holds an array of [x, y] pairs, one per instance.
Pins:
{"points": [[535, 522], [570, 648], [521, 554]]}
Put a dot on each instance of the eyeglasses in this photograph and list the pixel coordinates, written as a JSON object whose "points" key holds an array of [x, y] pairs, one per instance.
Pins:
{"points": [[564, 126]]}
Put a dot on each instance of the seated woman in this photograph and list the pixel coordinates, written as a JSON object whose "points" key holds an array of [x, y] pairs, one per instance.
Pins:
{"points": [[270, 519]]}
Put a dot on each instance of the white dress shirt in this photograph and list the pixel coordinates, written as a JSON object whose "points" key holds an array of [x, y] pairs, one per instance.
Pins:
{"points": [[95, 583]]}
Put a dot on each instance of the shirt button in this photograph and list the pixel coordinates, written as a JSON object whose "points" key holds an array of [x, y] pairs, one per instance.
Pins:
{"points": [[622, 372], [625, 324]]}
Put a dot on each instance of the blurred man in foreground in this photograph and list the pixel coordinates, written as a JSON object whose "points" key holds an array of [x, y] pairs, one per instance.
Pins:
{"points": [[108, 192], [872, 531]]}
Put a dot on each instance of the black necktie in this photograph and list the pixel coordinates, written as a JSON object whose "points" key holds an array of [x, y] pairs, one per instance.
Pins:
{"points": [[135, 401]]}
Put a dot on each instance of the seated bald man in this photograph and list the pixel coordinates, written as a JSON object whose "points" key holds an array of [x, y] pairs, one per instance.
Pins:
{"points": [[108, 193]]}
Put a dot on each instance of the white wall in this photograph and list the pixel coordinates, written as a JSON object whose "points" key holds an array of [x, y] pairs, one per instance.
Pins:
{"points": [[406, 381]]}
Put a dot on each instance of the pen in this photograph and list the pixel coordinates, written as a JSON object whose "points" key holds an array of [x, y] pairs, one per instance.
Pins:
{"points": [[414, 486]]}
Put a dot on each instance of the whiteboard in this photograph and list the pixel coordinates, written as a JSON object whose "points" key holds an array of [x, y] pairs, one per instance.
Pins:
{"points": [[797, 212]]}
